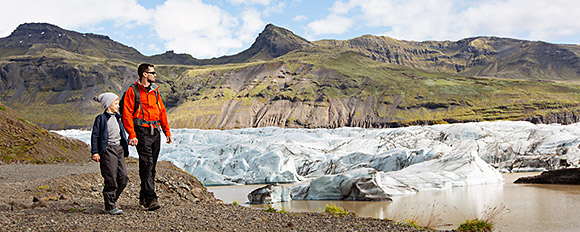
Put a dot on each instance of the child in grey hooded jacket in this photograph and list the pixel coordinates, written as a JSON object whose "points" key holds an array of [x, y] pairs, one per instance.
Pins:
{"points": [[109, 146]]}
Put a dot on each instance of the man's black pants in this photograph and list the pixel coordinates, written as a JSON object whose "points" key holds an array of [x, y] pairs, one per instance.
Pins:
{"points": [[114, 172], [148, 147]]}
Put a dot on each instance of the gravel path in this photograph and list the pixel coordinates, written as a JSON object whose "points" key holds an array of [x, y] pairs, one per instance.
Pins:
{"points": [[10, 173]]}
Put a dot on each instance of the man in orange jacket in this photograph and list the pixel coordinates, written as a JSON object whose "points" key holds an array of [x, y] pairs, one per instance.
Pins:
{"points": [[142, 123]]}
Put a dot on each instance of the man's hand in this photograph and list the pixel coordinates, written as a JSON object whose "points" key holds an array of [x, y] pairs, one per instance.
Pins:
{"points": [[133, 142], [169, 139], [96, 157]]}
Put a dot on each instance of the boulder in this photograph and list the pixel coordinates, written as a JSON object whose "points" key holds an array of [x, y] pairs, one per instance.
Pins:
{"points": [[561, 176], [19, 206], [4, 208]]}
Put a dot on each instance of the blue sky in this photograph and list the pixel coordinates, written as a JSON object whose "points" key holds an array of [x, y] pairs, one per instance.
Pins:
{"points": [[216, 28]]}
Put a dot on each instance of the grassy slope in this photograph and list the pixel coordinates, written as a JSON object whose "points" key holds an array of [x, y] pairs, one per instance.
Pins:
{"points": [[419, 97], [25, 142], [398, 95]]}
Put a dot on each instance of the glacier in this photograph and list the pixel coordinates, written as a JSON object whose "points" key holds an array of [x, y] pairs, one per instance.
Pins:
{"points": [[391, 161]]}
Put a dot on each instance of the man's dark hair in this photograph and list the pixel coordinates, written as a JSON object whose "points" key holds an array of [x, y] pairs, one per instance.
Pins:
{"points": [[143, 68]]}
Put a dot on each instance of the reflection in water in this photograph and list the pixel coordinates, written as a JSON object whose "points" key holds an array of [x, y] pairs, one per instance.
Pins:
{"points": [[528, 207]]}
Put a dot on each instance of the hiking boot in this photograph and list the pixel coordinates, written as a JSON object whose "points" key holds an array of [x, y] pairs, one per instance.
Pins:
{"points": [[143, 203], [115, 211], [153, 205]]}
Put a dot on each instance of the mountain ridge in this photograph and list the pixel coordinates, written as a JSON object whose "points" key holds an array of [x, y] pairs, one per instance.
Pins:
{"points": [[474, 56], [285, 80]]}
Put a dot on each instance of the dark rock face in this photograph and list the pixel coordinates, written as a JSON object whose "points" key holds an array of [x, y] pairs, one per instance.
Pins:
{"points": [[563, 118], [562, 176]]}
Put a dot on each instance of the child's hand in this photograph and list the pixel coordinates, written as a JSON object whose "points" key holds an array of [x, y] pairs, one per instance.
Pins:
{"points": [[96, 157]]}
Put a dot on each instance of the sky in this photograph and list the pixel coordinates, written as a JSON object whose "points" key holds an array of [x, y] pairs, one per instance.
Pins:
{"points": [[206, 29]]}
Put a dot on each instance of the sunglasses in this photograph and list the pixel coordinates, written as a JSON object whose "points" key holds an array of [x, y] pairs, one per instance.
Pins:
{"points": [[152, 73]]}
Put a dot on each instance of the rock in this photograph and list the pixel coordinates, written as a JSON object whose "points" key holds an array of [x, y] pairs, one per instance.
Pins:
{"points": [[19, 206], [562, 176], [94, 210], [39, 204], [4, 208], [269, 194]]}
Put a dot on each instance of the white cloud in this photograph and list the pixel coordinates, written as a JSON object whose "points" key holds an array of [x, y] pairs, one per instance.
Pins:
{"points": [[71, 14], [456, 19], [153, 47], [332, 24], [300, 18], [252, 24], [202, 30], [538, 20], [240, 2], [278, 8]]}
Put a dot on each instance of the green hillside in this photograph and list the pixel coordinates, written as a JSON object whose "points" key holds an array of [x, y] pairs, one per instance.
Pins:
{"points": [[285, 80]]}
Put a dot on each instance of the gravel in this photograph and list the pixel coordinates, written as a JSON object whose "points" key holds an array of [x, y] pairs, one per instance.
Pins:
{"points": [[67, 197]]}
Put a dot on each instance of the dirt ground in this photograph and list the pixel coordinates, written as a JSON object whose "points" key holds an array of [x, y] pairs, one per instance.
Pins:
{"points": [[67, 197]]}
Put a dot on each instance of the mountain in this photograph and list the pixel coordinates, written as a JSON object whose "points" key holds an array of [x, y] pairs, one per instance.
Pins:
{"points": [[273, 42], [36, 38], [478, 56], [285, 80], [24, 142]]}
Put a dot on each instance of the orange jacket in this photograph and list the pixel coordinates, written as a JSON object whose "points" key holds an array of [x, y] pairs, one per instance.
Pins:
{"points": [[153, 109]]}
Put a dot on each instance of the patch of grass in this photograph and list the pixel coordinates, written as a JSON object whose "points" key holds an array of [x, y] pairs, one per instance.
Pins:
{"points": [[271, 209], [76, 210], [283, 210], [25, 121], [486, 221], [475, 225], [335, 210], [428, 213], [410, 222], [43, 187], [235, 203]]}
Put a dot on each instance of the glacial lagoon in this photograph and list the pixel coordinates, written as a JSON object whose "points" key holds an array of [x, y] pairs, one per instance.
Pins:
{"points": [[526, 207]]}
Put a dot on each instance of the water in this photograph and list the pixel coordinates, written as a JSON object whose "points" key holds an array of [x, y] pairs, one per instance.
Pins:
{"points": [[514, 207]]}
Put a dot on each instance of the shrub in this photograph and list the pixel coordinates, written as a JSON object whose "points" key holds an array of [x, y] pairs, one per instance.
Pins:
{"points": [[335, 210], [283, 210], [271, 209], [486, 223], [475, 225]]}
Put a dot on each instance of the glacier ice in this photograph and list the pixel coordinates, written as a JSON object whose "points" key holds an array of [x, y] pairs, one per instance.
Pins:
{"points": [[401, 160]]}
